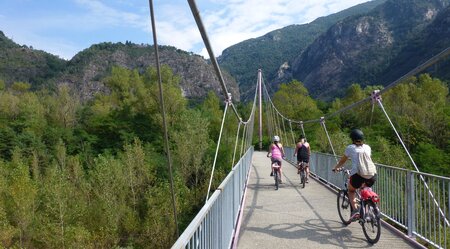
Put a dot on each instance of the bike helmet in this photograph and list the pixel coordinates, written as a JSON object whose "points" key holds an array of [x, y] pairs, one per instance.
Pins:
{"points": [[356, 134], [276, 138]]}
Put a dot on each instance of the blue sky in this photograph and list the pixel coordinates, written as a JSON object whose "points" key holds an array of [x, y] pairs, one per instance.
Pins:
{"points": [[66, 27]]}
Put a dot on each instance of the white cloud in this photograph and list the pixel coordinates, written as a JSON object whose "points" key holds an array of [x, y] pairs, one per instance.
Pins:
{"points": [[227, 22], [103, 14], [236, 20]]}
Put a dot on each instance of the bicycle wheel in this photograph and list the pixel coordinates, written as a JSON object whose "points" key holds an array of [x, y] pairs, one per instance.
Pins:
{"points": [[275, 176], [344, 207], [302, 178], [371, 225]]}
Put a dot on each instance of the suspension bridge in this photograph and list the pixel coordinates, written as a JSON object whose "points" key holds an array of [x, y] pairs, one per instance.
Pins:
{"points": [[245, 211]]}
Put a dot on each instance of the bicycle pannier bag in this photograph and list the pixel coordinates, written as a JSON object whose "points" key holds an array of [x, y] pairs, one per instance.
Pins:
{"points": [[366, 168]]}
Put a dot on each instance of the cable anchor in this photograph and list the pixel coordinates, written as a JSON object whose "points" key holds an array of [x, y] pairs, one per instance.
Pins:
{"points": [[228, 100], [376, 96]]}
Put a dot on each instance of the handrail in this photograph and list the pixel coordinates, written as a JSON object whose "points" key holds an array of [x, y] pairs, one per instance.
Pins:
{"points": [[404, 197], [214, 225]]}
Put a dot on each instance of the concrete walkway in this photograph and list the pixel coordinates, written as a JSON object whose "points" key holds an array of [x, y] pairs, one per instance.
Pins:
{"points": [[293, 217]]}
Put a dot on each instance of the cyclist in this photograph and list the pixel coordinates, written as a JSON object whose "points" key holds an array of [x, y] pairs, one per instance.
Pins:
{"points": [[356, 181], [276, 153], [303, 152]]}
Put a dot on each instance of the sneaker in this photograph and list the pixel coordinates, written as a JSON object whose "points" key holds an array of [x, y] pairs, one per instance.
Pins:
{"points": [[355, 215], [281, 181], [307, 181]]}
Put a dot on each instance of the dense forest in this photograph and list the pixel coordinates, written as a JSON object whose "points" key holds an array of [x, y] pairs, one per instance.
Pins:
{"points": [[419, 109], [93, 174]]}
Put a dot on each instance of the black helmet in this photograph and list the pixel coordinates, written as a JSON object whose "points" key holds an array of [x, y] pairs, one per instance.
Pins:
{"points": [[356, 134]]}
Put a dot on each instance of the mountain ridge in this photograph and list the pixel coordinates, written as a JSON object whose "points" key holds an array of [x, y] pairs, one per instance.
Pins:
{"points": [[87, 69], [360, 49], [272, 50]]}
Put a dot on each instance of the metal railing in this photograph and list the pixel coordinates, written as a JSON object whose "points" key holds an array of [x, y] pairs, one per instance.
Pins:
{"points": [[214, 225], [422, 210]]}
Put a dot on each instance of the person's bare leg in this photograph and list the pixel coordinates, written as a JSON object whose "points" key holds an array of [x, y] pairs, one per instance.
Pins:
{"points": [[352, 197]]}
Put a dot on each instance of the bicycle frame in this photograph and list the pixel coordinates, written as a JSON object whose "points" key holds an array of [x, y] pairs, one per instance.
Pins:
{"points": [[276, 173], [303, 173], [369, 213]]}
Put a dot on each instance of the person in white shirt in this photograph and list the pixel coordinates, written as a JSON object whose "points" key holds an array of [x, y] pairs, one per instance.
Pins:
{"points": [[356, 181]]}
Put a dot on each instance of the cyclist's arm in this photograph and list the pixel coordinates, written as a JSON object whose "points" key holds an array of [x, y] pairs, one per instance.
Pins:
{"points": [[296, 150], [341, 162], [268, 151]]}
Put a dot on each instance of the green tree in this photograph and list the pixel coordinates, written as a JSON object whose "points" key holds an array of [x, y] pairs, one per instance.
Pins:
{"points": [[7, 230], [293, 101], [62, 205], [191, 146], [21, 198], [212, 111], [431, 159], [109, 192]]}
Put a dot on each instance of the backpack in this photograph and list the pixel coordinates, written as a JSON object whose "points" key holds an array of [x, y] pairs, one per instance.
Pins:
{"points": [[366, 168]]}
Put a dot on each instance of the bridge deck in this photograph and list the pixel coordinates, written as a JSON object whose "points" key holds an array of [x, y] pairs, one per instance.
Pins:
{"points": [[293, 217]]}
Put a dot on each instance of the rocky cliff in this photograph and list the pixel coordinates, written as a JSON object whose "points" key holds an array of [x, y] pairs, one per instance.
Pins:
{"points": [[86, 70], [362, 49], [88, 67]]}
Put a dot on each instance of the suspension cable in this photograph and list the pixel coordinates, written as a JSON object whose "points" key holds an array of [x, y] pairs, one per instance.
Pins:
{"points": [[269, 122], [322, 122], [303, 130], [243, 138], [376, 96], [273, 120], [292, 133], [411, 73], [161, 101], [414, 71], [212, 57], [284, 129], [218, 145], [236, 143], [225, 92]]}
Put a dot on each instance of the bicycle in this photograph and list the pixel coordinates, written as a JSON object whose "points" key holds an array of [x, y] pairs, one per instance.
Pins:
{"points": [[367, 200], [276, 174], [302, 171]]}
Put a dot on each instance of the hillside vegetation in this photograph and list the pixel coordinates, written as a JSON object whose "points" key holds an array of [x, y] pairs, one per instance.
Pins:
{"points": [[93, 174], [85, 72]]}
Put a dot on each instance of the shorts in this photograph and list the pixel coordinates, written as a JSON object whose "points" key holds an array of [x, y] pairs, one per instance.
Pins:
{"points": [[276, 160], [357, 181], [299, 160]]}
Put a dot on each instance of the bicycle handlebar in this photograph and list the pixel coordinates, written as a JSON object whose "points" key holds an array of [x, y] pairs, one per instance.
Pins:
{"points": [[343, 170]]}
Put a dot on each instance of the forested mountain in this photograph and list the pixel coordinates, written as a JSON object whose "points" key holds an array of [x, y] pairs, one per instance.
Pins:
{"points": [[430, 42], [23, 63], [86, 70], [364, 49], [273, 51], [371, 44]]}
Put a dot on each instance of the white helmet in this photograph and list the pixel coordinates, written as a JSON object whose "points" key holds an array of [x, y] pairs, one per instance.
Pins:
{"points": [[276, 138]]}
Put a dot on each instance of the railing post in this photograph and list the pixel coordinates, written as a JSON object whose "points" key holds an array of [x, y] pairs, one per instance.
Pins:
{"points": [[410, 192]]}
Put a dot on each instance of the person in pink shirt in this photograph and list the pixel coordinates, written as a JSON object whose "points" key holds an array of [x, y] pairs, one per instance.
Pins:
{"points": [[276, 153]]}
